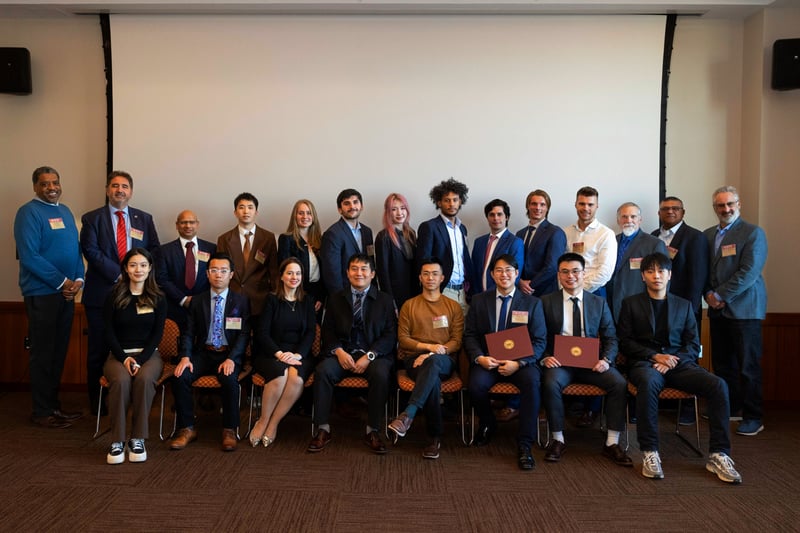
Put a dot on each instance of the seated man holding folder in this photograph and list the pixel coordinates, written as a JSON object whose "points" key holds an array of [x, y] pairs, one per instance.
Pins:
{"points": [[569, 313], [505, 312]]}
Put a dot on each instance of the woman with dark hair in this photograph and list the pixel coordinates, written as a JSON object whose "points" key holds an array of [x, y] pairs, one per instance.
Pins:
{"points": [[134, 314], [285, 333], [303, 240], [395, 246]]}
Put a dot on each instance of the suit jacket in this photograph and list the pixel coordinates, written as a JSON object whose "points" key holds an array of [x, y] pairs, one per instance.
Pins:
{"points": [[737, 277], [260, 277], [170, 273], [597, 322], [397, 275], [288, 248], [433, 240], [338, 245], [481, 319], [636, 329], [508, 244], [627, 277], [193, 340], [380, 322], [541, 257], [689, 252], [99, 247]]}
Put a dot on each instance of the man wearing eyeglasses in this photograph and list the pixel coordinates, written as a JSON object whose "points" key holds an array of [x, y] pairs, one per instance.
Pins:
{"points": [[214, 343], [737, 303]]}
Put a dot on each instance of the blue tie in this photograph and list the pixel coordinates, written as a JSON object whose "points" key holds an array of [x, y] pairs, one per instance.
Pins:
{"points": [[216, 328], [501, 322]]}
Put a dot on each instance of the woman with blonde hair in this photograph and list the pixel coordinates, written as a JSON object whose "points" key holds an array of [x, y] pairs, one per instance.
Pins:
{"points": [[303, 240]]}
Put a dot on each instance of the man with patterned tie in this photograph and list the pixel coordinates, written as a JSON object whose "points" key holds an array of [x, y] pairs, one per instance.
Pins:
{"points": [[214, 343], [106, 236]]}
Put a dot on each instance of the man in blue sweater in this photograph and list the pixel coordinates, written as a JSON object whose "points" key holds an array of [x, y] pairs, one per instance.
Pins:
{"points": [[50, 276]]}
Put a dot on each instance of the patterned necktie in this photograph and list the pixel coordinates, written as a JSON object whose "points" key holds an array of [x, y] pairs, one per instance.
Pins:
{"points": [[122, 235], [576, 318], [190, 271], [246, 249], [358, 316], [216, 328], [501, 322]]}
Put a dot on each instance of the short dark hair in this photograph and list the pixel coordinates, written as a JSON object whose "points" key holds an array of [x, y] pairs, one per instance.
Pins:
{"points": [[570, 257], [497, 202], [430, 260], [345, 194], [588, 191], [221, 256], [247, 197], [361, 258], [448, 186], [508, 258], [44, 170], [671, 199], [119, 174], [656, 260]]}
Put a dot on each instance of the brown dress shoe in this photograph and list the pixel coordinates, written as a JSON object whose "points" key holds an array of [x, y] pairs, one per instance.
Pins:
{"points": [[319, 442], [374, 442], [617, 454], [67, 415], [183, 438], [228, 440], [50, 422], [554, 451]]}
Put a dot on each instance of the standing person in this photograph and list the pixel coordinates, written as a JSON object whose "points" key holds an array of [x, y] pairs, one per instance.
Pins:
{"points": [[593, 240], [497, 242], [303, 240], [445, 237], [395, 246], [135, 312], [286, 331], [181, 267], [107, 234], [544, 243], [343, 239], [50, 276], [737, 300]]}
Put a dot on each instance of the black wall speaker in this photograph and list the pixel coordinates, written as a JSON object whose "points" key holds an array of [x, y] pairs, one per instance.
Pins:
{"points": [[786, 64], [15, 71]]}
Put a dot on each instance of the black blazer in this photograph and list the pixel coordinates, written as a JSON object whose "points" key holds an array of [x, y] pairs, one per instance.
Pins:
{"points": [[194, 338], [288, 248], [690, 264], [433, 240], [338, 245], [541, 258], [170, 264], [380, 322], [397, 276], [597, 322]]}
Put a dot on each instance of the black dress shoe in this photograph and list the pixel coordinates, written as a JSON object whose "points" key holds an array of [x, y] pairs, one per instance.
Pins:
{"points": [[554, 451], [374, 443], [50, 422], [525, 459], [483, 436], [617, 454], [586, 420], [67, 415]]}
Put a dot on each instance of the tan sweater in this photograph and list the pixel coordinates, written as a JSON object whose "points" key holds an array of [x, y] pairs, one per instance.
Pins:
{"points": [[416, 325]]}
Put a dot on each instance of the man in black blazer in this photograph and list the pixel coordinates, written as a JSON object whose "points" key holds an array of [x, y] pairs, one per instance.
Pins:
{"points": [[99, 244], [486, 316], [181, 274], [343, 239], [544, 243], [658, 335], [214, 343], [586, 315], [359, 335]]}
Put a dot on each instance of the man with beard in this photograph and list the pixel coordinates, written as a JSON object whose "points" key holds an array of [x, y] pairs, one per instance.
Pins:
{"points": [[344, 239]]}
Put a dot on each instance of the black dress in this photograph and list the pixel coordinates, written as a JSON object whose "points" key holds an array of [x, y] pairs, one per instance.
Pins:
{"points": [[289, 327]]}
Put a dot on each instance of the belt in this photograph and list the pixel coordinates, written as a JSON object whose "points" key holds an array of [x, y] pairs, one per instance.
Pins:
{"points": [[455, 286], [221, 349]]}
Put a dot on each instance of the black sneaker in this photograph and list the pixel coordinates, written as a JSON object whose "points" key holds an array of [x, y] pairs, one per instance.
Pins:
{"points": [[136, 451], [116, 454]]}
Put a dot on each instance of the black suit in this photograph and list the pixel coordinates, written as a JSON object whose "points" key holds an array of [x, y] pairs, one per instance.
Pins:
{"points": [[338, 245], [287, 248], [397, 274], [171, 275]]}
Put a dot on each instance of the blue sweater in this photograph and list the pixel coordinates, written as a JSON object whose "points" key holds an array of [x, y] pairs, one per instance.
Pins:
{"points": [[48, 248]]}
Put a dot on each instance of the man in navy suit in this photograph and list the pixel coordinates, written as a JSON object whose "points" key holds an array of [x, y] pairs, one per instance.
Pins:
{"points": [[445, 237], [497, 242], [214, 343], [343, 239], [737, 302], [543, 245], [502, 308], [575, 312], [658, 335], [106, 236], [181, 267]]}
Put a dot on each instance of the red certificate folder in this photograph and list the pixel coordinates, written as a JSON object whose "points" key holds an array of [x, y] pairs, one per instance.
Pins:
{"points": [[581, 352], [509, 344]]}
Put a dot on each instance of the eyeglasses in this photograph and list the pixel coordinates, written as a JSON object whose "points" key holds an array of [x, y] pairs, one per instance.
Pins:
{"points": [[671, 208], [507, 270], [223, 271], [574, 272]]}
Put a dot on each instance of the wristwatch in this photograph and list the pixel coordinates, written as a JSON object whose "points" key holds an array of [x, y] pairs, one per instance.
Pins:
{"points": [[371, 356]]}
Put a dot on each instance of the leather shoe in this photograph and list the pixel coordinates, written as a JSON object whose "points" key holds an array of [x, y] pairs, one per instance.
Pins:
{"points": [[431, 451], [228, 440], [183, 438], [586, 420], [483, 437], [525, 459], [401, 424], [319, 442], [617, 454], [50, 422], [554, 451], [507, 414], [374, 442], [67, 415]]}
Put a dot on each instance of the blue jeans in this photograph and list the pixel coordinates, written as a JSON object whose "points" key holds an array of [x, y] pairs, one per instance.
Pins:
{"points": [[736, 356], [427, 392], [555, 379]]}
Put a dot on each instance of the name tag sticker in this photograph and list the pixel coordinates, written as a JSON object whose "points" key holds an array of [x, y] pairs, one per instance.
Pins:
{"points": [[440, 322], [137, 234], [636, 263], [728, 250], [56, 223], [578, 247], [233, 322], [144, 310], [370, 249], [519, 317], [260, 257], [203, 256], [672, 252]]}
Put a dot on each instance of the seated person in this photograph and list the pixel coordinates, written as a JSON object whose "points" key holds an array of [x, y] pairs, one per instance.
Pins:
{"points": [[658, 335], [495, 310], [359, 333], [575, 312], [214, 343], [429, 333]]}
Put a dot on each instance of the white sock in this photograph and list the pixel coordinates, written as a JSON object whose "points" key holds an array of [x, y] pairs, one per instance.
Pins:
{"points": [[612, 437], [557, 435]]}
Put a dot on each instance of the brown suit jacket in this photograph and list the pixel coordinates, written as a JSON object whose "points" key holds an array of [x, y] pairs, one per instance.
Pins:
{"points": [[261, 275]]}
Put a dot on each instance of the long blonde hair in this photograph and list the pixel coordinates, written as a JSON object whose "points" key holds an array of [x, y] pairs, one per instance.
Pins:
{"points": [[314, 235]]}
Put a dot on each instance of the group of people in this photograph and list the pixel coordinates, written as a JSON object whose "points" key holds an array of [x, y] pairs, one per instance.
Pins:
{"points": [[403, 300]]}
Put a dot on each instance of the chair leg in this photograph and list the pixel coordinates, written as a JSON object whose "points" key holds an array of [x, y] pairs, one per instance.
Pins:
{"points": [[161, 414], [97, 431], [250, 414], [463, 421], [680, 435]]}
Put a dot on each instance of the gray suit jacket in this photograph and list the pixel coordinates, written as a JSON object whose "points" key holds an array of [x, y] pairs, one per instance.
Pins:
{"points": [[597, 322]]}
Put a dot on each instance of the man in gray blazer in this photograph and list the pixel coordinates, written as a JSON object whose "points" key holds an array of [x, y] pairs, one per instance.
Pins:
{"points": [[737, 299]]}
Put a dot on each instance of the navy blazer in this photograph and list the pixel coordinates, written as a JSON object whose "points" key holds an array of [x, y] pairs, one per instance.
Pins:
{"points": [[194, 339], [688, 250], [597, 322], [627, 277], [170, 273], [99, 247], [636, 329], [433, 240], [338, 245], [261, 275], [541, 258], [508, 244], [482, 317], [380, 322], [397, 275]]}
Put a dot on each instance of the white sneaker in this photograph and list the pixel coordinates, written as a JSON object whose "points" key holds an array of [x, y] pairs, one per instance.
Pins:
{"points": [[116, 454], [651, 466], [722, 465], [136, 451]]}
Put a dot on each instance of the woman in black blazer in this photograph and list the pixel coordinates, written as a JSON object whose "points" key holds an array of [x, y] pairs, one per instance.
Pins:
{"points": [[395, 247], [303, 240]]}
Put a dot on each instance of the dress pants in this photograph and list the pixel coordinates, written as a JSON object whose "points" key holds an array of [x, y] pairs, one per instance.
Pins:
{"points": [[689, 377], [555, 379], [206, 363], [136, 391], [329, 372], [526, 379], [736, 356], [96, 352], [427, 392], [49, 325]]}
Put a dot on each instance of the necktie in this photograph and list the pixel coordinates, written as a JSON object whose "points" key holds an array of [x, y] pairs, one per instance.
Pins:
{"points": [[576, 318], [216, 328], [122, 235], [246, 249], [487, 258], [358, 316], [529, 237], [501, 322], [190, 272]]}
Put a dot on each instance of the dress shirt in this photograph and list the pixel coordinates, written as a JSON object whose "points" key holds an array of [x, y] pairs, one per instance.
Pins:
{"points": [[114, 220], [499, 302], [599, 252], [457, 248], [666, 235], [356, 231], [242, 235], [566, 327], [490, 248]]}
